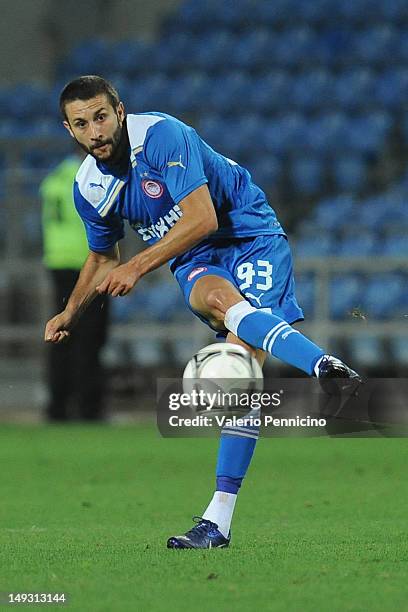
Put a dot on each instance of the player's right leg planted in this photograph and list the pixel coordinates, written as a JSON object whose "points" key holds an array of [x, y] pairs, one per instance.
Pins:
{"points": [[237, 445]]}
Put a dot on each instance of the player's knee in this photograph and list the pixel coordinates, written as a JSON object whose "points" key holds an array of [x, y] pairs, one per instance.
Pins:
{"points": [[218, 300]]}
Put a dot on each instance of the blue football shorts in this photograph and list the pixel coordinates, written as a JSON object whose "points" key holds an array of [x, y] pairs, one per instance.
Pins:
{"points": [[261, 268]]}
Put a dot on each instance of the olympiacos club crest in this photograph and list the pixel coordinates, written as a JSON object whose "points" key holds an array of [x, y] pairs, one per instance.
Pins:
{"points": [[153, 189]]}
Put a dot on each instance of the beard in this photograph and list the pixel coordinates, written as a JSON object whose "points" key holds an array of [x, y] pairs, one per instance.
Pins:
{"points": [[114, 142]]}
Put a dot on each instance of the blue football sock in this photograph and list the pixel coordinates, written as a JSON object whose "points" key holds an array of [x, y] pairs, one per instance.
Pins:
{"points": [[272, 334], [235, 452]]}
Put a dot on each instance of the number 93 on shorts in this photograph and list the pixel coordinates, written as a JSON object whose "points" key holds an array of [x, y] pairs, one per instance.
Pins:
{"points": [[261, 268]]}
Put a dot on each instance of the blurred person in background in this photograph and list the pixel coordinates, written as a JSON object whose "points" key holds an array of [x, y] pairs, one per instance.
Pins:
{"points": [[74, 372]]}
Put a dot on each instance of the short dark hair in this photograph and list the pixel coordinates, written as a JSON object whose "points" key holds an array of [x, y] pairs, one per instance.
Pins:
{"points": [[85, 88]]}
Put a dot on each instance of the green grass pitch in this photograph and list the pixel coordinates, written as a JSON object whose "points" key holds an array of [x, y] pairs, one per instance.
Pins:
{"points": [[321, 524]]}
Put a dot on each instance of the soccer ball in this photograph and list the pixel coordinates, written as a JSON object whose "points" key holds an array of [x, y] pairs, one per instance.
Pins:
{"points": [[224, 375]]}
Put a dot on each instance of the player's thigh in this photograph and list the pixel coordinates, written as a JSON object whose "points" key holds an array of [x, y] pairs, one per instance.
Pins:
{"points": [[224, 295], [212, 295]]}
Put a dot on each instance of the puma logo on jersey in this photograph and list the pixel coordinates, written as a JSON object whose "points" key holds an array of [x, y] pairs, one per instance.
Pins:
{"points": [[171, 164], [97, 185], [254, 297]]}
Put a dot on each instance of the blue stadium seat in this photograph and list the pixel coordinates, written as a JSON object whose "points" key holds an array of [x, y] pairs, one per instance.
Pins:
{"points": [[274, 13], [159, 301], [232, 13], [330, 211], [345, 295], [194, 14], [352, 11], [12, 128], [130, 58], [327, 133], [376, 44], [334, 44], [196, 88], [384, 295], [3, 218], [391, 11], [312, 90], [211, 128], [265, 170], [29, 101], [305, 293], [396, 219], [353, 89], [397, 245], [147, 354], [399, 350], [251, 51], [129, 307], [89, 57], [294, 47], [359, 243], [367, 134], [404, 127], [391, 89], [238, 136], [172, 54], [372, 212], [31, 222], [307, 175], [314, 246], [210, 51], [265, 94], [41, 159], [367, 351], [284, 134], [402, 50], [5, 102], [314, 12], [228, 93], [165, 301], [350, 173], [47, 128], [152, 96]]}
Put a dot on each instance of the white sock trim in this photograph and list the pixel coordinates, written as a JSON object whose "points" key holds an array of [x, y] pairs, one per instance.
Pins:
{"points": [[270, 332], [276, 334], [236, 313]]}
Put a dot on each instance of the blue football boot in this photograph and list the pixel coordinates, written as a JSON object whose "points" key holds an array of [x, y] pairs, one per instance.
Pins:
{"points": [[204, 534]]}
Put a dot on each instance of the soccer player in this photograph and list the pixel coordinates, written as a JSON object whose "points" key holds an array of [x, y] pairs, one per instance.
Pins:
{"points": [[201, 213]]}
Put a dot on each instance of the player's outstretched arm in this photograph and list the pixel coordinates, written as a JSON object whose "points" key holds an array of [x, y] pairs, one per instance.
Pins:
{"points": [[198, 221], [94, 270]]}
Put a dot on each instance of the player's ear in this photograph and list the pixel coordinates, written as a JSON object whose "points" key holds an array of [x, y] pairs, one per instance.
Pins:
{"points": [[121, 112], [68, 127]]}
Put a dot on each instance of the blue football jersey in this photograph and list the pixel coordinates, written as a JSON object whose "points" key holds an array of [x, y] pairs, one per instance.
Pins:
{"points": [[167, 161]]}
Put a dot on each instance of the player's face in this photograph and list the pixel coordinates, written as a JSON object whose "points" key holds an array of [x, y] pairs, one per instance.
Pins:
{"points": [[95, 125]]}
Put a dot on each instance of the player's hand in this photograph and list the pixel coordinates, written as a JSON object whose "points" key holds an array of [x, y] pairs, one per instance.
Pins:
{"points": [[120, 281], [58, 328]]}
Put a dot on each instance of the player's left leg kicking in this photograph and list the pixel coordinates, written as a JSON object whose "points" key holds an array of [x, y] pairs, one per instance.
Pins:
{"points": [[217, 300]]}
